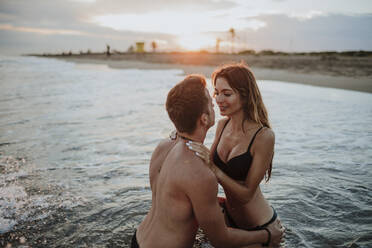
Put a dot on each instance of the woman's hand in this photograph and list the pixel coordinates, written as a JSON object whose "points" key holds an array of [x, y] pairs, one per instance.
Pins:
{"points": [[203, 152], [200, 150]]}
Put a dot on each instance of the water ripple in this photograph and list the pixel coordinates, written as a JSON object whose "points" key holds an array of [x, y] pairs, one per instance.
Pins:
{"points": [[90, 133]]}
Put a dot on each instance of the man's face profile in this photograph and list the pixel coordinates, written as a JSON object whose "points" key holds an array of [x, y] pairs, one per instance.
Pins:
{"points": [[211, 114]]}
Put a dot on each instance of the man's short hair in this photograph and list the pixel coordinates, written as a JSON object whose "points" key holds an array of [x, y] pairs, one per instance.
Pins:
{"points": [[186, 102]]}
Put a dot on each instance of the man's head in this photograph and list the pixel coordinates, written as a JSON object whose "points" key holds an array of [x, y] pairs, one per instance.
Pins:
{"points": [[188, 102]]}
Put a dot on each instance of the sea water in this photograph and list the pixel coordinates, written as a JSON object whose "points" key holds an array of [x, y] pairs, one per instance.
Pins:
{"points": [[76, 141]]}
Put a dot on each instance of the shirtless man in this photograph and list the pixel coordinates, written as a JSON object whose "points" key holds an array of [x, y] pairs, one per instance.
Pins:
{"points": [[184, 190]]}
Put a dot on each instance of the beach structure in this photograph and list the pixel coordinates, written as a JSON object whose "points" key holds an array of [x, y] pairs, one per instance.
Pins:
{"points": [[140, 47], [154, 45]]}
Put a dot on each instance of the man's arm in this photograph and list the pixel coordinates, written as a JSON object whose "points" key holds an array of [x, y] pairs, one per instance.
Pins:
{"points": [[202, 191]]}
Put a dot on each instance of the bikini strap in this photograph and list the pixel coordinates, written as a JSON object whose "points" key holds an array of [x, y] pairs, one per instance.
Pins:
{"points": [[254, 136]]}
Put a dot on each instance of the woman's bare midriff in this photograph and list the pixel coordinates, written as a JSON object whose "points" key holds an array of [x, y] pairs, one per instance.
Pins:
{"points": [[255, 213]]}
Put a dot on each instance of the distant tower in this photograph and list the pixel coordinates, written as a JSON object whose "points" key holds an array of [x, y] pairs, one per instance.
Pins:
{"points": [[232, 32], [140, 47]]}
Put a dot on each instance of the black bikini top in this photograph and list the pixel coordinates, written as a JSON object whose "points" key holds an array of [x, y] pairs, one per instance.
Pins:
{"points": [[237, 167]]}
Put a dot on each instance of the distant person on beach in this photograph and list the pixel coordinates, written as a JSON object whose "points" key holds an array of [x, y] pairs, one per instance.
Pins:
{"points": [[242, 152], [184, 190]]}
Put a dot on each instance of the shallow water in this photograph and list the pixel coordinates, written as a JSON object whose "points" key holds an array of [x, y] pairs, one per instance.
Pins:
{"points": [[75, 144]]}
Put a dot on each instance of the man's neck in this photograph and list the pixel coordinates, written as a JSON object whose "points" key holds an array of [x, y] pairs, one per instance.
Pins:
{"points": [[197, 136]]}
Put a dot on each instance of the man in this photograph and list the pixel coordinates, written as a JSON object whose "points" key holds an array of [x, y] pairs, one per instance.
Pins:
{"points": [[184, 190]]}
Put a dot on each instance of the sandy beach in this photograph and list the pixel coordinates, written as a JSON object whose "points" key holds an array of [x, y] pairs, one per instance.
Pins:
{"points": [[343, 72]]}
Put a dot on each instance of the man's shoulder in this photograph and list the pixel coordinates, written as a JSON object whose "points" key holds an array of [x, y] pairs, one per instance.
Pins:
{"points": [[164, 144], [198, 180], [161, 149], [197, 170], [189, 166]]}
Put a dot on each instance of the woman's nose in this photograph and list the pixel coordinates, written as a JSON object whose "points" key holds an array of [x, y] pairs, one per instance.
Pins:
{"points": [[219, 98]]}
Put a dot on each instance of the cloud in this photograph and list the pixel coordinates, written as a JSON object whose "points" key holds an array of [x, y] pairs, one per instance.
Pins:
{"points": [[303, 8], [146, 6], [48, 26], [325, 32], [78, 16], [23, 40], [178, 23], [36, 10], [40, 30]]}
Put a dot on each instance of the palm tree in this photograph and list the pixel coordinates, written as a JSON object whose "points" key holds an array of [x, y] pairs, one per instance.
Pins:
{"points": [[232, 32], [218, 40]]}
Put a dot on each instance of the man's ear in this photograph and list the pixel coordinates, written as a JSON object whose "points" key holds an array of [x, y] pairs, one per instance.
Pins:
{"points": [[204, 119]]}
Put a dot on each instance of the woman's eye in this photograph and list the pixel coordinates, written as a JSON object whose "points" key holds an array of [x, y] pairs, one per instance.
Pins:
{"points": [[227, 95]]}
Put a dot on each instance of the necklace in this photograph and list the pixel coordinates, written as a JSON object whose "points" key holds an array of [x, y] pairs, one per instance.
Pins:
{"points": [[185, 138], [173, 136]]}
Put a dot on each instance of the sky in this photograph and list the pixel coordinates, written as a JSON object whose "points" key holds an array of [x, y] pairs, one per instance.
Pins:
{"points": [[54, 26]]}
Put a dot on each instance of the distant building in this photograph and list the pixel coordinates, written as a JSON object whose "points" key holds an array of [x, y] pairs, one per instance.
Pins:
{"points": [[140, 47]]}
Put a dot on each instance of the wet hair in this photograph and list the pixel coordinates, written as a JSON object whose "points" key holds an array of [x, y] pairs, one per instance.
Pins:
{"points": [[186, 102], [241, 80]]}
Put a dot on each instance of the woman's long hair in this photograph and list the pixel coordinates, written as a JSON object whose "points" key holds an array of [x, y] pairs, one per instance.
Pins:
{"points": [[241, 79]]}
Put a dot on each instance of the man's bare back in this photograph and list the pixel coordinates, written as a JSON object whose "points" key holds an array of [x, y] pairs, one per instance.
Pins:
{"points": [[171, 221]]}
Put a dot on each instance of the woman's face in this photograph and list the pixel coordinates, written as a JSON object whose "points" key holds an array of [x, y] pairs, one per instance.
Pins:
{"points": [[227, 99]]}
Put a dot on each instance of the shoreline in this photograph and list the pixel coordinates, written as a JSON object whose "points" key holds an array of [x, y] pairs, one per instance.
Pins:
{"points": [[349, 74]]}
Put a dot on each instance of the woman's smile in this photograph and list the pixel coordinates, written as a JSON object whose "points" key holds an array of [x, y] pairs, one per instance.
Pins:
{"points": [[222, 108]]}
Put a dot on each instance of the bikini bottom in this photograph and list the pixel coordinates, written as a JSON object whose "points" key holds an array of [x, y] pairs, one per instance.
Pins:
{"points": [[232, 223], [134, 243]]}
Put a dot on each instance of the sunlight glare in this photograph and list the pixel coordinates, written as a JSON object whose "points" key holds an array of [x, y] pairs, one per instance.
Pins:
{"points": [[195, 42], [192, 30]]}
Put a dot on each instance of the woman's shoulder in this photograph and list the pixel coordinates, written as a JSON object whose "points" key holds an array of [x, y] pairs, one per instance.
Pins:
{"points": [[221, 123], [265, 136]]}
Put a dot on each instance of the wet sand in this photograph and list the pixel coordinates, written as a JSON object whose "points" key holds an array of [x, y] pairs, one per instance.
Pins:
{"points": [[343, 72]]}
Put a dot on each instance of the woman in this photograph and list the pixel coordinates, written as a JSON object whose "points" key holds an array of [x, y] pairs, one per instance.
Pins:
{"points": [[242, 151]]}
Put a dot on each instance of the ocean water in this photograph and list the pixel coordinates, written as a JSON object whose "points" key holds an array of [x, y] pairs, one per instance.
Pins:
{"points": [[76, 140]]}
